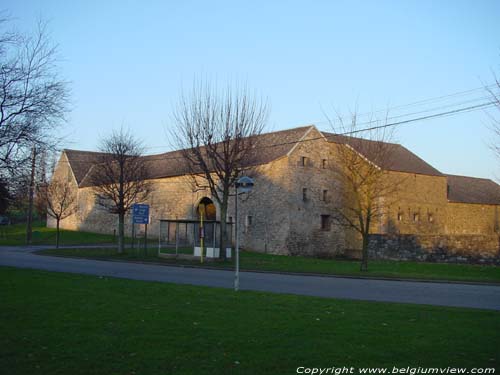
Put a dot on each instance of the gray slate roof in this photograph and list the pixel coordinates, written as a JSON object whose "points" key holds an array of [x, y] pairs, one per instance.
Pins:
{"points": [[82, 161], [463, 189], [274, 145], [400, 158], [268, 147]]}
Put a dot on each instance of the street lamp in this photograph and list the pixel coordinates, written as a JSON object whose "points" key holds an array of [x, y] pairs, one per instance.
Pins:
{"points": [[243, 185]]}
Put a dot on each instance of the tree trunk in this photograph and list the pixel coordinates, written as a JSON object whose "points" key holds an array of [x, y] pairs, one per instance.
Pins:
{"points": [[121, 232], [57, 233], [223, 230], [31, 194], [364, 253]]}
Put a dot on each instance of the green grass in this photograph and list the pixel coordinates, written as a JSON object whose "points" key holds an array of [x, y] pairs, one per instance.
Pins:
{"points": [[14, 235], [280, 263], [54, 323], [172, 251]]}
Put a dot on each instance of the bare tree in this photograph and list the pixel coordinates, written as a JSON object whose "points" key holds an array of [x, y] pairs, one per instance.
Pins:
{"points": [[216, 132], [60, 198], [33, 97], [120, 177], [39, 203], [363, 186], [5, 196]]}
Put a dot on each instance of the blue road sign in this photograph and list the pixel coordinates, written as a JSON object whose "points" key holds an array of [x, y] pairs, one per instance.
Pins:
{"points": [[140, 214]]}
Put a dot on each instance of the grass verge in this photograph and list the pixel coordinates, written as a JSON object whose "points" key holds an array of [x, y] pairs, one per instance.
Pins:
{"points": [[56, 323], [15, 235], [280, 263]]}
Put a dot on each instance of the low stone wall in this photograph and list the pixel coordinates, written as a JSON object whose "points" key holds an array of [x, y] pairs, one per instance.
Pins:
{"points": [[437, 248]]}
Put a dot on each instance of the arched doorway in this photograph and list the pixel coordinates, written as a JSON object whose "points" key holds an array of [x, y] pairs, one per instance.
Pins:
{"points": [[207, 207]]}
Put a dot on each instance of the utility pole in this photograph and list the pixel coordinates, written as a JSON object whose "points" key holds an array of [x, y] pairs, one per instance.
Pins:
{"points": [[31, 194], [243, 185]]}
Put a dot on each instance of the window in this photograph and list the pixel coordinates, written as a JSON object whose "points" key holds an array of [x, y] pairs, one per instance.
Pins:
{"points": [[325, 222], [230, 219], [323, 163], [248, 221], [303, 161], [324, 196], [400, 216], [100, 202], [304, 194], [430, 217], [416, 216]]}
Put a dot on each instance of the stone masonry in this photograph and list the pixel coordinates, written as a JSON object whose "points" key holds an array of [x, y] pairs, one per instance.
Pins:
{"points": [[289, 210]]}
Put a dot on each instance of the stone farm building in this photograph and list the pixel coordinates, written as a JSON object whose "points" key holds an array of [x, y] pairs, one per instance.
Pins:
{"points": [[436, 216]]}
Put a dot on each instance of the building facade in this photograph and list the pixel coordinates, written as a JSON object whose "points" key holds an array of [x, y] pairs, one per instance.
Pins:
{"points": [[432, 216]]}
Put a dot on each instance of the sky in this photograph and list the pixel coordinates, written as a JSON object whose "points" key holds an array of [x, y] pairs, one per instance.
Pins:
{"points": [[129, 61]]}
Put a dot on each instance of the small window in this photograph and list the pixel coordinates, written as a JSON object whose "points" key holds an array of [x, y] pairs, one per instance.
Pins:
{"points": [[248, 221], [416, 216], [323, 163], [400, 216], [324, 196], [230, 219], [303, 161], [325, 222], [100, 202], [304, 194], [430, 217]]}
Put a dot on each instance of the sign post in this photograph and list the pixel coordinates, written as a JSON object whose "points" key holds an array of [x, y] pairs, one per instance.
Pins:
{"points": [[146, 240], [202, 230], [243, 185], [140, 215]]}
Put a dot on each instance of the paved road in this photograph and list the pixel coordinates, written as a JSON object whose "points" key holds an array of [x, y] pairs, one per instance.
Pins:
{"points": [[443, 294]]}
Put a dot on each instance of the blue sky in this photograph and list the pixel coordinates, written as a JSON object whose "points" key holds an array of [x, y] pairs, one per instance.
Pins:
{"points": [[129, 60]]}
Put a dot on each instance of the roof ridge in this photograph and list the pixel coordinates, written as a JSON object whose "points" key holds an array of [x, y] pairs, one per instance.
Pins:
{"points": [[286, 130], [85, 151], [363, 139], [476, 178], [162, 168], [180, 150]]}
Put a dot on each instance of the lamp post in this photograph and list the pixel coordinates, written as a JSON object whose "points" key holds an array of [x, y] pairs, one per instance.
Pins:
{"points": [[243, 185]]}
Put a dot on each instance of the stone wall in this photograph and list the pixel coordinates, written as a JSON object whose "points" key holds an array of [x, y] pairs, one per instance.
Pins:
{"points": [[176, 198], [417, 206], [264, 220], [277, 218], [436, 248], [309, 165], [463, 218], [63, 172], [274, 218], [171, 198]]}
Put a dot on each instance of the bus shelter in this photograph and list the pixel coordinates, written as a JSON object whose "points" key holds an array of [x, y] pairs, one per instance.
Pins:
{"points": [[192, 237]]}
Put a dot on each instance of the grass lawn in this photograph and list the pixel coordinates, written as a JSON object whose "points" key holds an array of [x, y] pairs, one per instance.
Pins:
{"points": [[14, 235], [267, 262], [54, 323]]}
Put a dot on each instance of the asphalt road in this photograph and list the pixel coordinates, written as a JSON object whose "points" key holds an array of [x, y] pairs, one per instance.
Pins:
{"points": [[441, 294]]}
